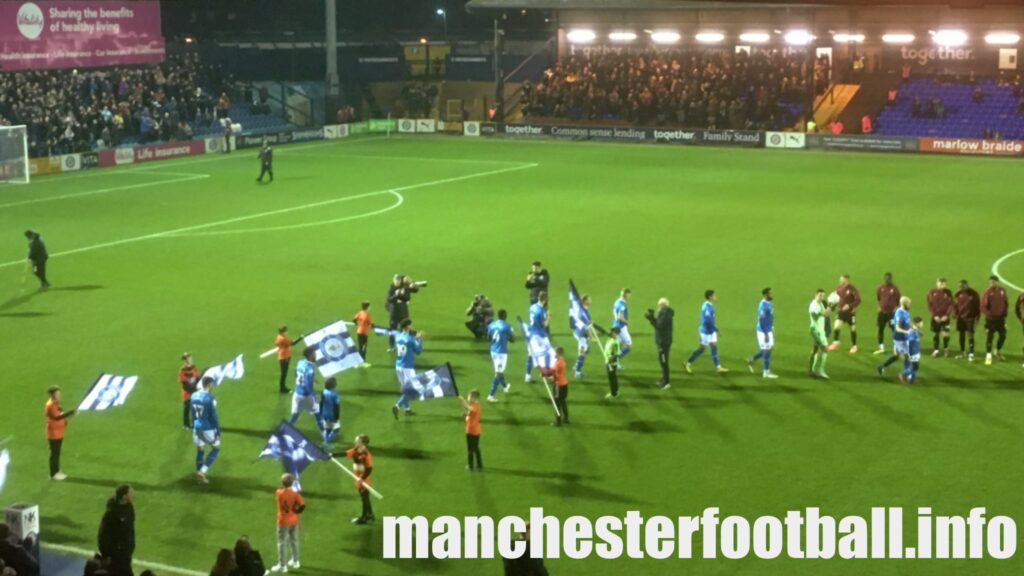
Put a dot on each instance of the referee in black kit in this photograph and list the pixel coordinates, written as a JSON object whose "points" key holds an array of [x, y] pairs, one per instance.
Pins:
{"points": [[266, 157]]}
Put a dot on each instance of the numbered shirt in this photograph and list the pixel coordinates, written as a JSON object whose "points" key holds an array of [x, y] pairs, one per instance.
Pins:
{"points": [[204, 411], [407, 347], [765, 316], [707, 318], [499, 333], [538, 320], [620, 309], [305, 373]]}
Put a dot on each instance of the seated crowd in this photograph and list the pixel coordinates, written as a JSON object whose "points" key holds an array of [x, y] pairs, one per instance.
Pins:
{"points": [[702, 88], [75, 111]]}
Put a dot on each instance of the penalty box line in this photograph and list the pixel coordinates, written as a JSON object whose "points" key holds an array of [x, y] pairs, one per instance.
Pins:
{"points": [[180, 177], [162, 568], [186, 229]]}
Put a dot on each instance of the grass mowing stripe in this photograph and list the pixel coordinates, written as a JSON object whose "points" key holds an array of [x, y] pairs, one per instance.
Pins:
{"points": [[182, 178], [164, 568], [275, 213]]}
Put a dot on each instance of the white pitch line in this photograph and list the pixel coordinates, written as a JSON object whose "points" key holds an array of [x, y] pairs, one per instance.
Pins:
{"points": [[418, 158], [271, 213], [401, 200], [162, 568], [183, 178], [998, 263]]}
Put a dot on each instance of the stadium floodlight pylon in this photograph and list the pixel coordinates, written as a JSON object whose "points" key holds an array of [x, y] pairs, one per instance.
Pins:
{"points": [[14, 154]]}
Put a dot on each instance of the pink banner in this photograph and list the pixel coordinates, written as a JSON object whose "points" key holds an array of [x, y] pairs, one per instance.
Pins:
{"points": [[79, 34], [149, 153]]}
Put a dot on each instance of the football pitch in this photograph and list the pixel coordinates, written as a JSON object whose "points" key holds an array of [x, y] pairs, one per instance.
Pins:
{"points": [[192, 255]]}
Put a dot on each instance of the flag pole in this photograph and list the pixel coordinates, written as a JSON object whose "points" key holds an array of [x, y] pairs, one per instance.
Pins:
{"points": [[543, 379], [600, 345], [357, 479], [274, 349]]}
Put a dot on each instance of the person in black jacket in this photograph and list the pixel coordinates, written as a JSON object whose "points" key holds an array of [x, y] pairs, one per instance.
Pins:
{"points": [[38, 256], [399, 293], [525, 565], [14, 555], [537, 281], [248, 561], [662, 322], [266, 158], [117, 531]]}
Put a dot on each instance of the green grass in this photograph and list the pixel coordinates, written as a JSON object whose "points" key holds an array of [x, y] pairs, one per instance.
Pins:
{"points": [[664, 221]]}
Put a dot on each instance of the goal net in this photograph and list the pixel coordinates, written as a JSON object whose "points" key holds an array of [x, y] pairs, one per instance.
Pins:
{"points": [[14, 154]]}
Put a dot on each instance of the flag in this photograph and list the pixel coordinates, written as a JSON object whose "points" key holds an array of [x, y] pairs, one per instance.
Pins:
{"points": [[5, 459], [382, 331], [335, 349], [436, 383], [108, 390], [233, 370], [295, 451], [539, 347], [579, 317]]}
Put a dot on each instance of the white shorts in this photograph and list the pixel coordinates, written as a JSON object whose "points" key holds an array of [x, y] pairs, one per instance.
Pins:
{"points": [[203, 438], [405, 375], [624, 337], [766, 340], [582, 344], [500, 362], [304, 404], [915, 358], [900, 347], [708, 339]]}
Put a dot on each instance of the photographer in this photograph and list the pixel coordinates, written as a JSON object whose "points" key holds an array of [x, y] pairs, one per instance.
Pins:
{"points": [[662, 322], [481, 314], [537, 281], [399, 293]]}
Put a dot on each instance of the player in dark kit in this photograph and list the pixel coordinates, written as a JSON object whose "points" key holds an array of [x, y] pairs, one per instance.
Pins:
{"points": [[266, 157], [849, 300], [940, 308], [994, 305], [888, 301], [967, 307]]}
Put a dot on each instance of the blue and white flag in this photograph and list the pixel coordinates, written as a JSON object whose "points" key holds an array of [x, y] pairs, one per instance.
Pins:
{"points": [[5, 459], [579, 317], [436, 383], [538, 347], [233, 370], [382, 331], [335, 349], [108, 390], [295, 451]]}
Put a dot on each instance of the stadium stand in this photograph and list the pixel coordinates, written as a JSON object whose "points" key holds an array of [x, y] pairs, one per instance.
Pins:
{"points": [[698, 88], [965, 110], [76, 111]]}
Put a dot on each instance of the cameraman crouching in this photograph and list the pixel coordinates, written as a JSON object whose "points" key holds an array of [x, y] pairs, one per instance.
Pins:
{"points": [[480, 313]]}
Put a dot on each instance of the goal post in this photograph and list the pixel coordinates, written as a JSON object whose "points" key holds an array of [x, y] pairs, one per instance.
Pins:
{"points": [[14, 167]]}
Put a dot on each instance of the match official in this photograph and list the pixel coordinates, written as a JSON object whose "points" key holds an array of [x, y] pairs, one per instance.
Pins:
{"points": [[56, 421], [266, 157], [662, 320], [38, 256]]}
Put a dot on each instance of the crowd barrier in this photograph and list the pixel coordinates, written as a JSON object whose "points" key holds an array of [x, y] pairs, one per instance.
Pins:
{"points": [[169, 150]]}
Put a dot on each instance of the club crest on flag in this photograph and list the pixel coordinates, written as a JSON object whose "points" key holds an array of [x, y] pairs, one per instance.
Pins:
{"points": [[336, 351], [108, 390]]}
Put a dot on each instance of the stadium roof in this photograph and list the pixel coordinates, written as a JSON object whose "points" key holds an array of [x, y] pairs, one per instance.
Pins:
{"points": [[717, 4]]}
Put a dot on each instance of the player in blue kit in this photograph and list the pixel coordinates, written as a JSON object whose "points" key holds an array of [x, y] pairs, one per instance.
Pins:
{"points": [[330, 410], [913, 359], [407, 345], [500, 334], [538, 327], [581, 331], [205, 428], [303, 396], [900, 332], [620, 320], [708, 334], [765, 335]]}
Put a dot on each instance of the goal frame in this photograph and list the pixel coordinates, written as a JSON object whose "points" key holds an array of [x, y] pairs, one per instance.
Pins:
{"points": [[24, 157]]}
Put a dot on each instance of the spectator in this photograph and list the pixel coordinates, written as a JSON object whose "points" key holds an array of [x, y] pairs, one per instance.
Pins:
{"points": [[940, 108], [865, 125], [978, 95], [1020, 107], [905, 73], [836, 127], [892, 97], [248, 562], [14, 556], [223, 106], [225, 565], [117, 531]]}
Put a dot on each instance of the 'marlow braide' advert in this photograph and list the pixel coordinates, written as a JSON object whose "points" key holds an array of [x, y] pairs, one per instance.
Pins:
{"points": [[79, 34]]}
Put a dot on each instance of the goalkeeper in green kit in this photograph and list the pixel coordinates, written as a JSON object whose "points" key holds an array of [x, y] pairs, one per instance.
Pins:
{"points": [[819, 312]]}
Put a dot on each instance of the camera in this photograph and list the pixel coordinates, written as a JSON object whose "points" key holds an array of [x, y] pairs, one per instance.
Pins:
{"points": [[420, 284]]}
